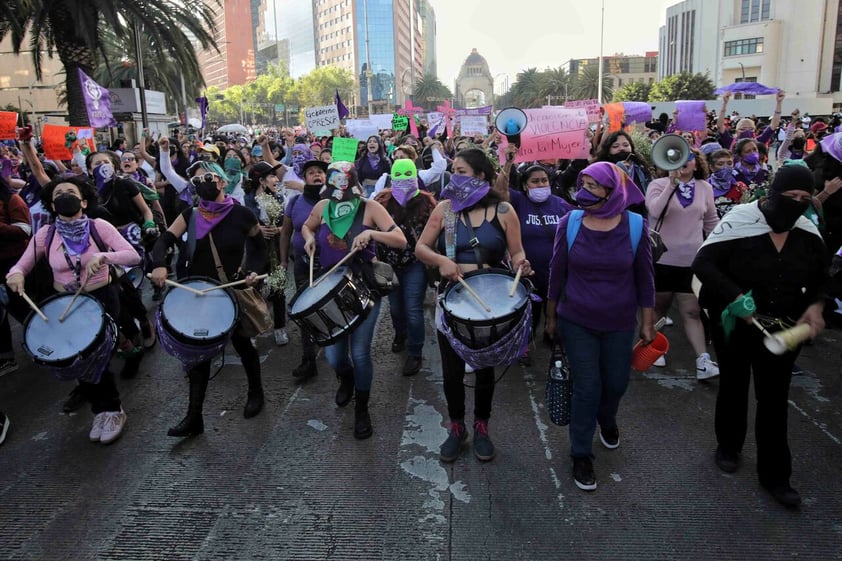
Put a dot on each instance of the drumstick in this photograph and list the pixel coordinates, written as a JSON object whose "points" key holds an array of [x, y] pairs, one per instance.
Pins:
{"points": [[311, 267], [514, 284], [474, 294], [177, 285], [235, 283], [759, 326], [341, 262], [69, 304], [33, 306]]}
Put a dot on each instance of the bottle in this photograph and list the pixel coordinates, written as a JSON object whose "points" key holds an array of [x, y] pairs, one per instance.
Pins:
{"points": [[556, 372], [559, 369]]}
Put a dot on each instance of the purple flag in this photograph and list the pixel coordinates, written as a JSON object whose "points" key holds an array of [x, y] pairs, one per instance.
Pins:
{"points": [[637, 112], [691, 116], [97, 102], [340, 107], [751, 88], [203, 108]]}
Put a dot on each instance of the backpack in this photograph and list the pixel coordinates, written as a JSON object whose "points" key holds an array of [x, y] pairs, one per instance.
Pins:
{"points": [[575, 222]]}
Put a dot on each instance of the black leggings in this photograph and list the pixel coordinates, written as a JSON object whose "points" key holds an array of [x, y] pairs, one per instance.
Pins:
{"points": [[453, 374]]}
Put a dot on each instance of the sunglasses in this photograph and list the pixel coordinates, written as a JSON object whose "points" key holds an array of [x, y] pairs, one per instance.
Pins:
{"points": [[197, 180]]}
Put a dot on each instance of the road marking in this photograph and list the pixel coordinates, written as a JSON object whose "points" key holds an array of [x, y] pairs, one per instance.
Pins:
{"points": [[542, 434], [820, 426]]}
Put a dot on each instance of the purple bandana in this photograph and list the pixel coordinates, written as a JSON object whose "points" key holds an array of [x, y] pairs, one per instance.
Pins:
{"points": [[685, 193], [373, 160], [103, 173], [76, 234], [210, 214], [298, 160], [832, 144], [722, 180], [623, 192], [464, 191], [404, 190]]}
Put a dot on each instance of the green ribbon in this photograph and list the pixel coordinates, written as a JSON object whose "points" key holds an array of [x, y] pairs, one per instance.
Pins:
{"points": [[742, 307], [339, 215]]}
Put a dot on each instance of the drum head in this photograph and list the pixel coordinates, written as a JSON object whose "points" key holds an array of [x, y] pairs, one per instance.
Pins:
{"points": [[312, 295], [493, 288], [197, 317], [54, 341]]}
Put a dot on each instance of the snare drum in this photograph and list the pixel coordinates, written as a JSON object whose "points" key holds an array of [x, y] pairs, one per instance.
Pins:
{"points": [[333, 307], [472, 324], [78, 348], [195, 328]]}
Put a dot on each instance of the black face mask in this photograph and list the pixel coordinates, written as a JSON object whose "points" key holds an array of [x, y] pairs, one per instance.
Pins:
{"points": [[782, 212], [312, 191], [207, 190], [621, 156], [67, 204], [797, 144]]}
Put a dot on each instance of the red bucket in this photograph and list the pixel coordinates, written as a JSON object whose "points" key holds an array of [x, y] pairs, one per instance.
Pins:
{"points": [[643, 357]]}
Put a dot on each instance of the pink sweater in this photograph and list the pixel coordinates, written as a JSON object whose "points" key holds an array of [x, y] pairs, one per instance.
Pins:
{"points": [[122, 254], [683, 229]]}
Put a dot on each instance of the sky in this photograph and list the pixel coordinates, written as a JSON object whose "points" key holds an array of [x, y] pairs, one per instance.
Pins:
{"points": [[514, 35]]}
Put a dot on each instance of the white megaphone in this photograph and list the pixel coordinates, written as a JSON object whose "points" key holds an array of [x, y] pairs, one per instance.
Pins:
{"points": [[670, 152], [511, 121]]}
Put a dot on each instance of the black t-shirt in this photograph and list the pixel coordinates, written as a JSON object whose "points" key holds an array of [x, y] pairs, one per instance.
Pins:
{"points": [[230, 237], [117, 198]]}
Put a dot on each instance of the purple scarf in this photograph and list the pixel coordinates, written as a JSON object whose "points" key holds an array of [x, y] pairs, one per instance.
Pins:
{"points": [[210, 214], [76, 234], [685, 193], [464, 191], [623, 192], [299, 160], [373, 160]]}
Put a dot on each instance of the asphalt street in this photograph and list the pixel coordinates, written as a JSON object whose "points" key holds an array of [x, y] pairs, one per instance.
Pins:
{"points": [[292, 483]]}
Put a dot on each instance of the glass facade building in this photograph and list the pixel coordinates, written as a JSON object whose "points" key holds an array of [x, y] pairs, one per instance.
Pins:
{"points": [[375, 45], [283, 32]]}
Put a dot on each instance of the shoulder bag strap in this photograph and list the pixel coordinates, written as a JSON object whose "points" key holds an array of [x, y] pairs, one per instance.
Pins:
{"points": [[473, 241], [635, 229], [219, 270], [660, 221]]}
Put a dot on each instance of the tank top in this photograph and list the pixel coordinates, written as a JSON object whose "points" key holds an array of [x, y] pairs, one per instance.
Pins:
{"points": [[490, 238]]}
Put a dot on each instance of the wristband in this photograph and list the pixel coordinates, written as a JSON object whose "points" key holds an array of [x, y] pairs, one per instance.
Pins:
{"points": [[148, 225]]}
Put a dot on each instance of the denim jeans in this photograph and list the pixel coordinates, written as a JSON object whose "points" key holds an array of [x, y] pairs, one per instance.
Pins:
{"points": [[600, 363], [406, 306], [358, 343]]}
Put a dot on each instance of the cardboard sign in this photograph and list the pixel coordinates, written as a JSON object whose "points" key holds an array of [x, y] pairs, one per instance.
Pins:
{"points": [[469, 125], [324, 118], [590, 105], [691, 116], [52, 138], [381, 121], [552, 133], [8, 123], [344, 149], [361, 129], [399, 122]]}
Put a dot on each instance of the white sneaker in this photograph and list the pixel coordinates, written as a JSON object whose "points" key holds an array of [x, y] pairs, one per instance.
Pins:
{"points": [[113, 426], [96, 427], [668, 321], [706, 368], [661, 361], [281, 337]]}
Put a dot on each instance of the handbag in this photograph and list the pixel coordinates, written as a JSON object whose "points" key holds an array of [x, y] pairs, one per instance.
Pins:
{"points": [[655, 238], [379, 277], [559, 387], [253, 317]]}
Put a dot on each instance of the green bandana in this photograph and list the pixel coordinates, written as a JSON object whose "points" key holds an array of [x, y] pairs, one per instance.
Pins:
{"points": [[742, 307], [339, 215]]}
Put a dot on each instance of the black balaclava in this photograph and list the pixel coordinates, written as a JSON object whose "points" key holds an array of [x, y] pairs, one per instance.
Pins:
{"points": [[781, 212]]}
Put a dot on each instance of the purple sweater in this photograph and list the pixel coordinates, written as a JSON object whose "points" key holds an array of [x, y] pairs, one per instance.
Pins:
{"points": [[602, 281]]}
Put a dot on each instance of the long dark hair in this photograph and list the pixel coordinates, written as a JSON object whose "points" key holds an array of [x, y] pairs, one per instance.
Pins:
{"points": [[602, 155], [5, 194], [86, 189], [479, 163]]}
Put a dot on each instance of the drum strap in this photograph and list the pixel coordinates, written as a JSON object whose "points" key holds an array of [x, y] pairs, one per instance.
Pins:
{"points": [[220, 271], [474, 241]]}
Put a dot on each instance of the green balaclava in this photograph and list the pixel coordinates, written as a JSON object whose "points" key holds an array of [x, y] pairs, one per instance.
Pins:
{"points": [[404, 181]]}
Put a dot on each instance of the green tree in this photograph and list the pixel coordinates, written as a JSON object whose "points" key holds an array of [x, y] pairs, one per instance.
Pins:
{"points": [[634, 91], [319, 86], [72, 29], [429, 86], [585, 85], [554, 83], [682, 86], [526, 91]]}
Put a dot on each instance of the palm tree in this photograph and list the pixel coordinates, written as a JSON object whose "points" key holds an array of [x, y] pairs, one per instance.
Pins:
{"points": [[526, 91], [586, 84], [554, 82], [72, 28], [429, 86]]}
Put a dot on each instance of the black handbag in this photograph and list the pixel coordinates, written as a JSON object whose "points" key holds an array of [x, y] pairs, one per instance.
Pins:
{"points": [[559, 387]]}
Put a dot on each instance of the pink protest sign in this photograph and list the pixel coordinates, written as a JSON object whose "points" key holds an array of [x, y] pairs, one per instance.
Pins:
{"points": [[448, 112], [552, 133], [409, 111], [691, 115], [590, 105]]}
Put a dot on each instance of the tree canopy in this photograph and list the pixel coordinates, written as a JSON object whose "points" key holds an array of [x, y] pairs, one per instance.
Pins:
{"points": [[683, 86]]}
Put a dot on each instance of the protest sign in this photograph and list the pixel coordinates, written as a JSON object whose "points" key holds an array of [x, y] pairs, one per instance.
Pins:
{"points": [[324, 118], [469, 125], [409, 109], [381, 121], [399, 122], [691, 116], [8, 122], [552, 133], [361, 128], [590, 105], [344, 149], [53, 141]]}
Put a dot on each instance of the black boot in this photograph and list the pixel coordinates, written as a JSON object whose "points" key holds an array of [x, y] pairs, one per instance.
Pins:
{"points": [[131, 366], [346, 388], [362, 420], [193, 424], [307, 369], [254, 404]]}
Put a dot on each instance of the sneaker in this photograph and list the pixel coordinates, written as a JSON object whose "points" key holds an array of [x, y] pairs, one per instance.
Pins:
{"points": [[660, 362], [610, 438], [797, 370], [113, 426], [398, 344], [451, 447], [483, 447], [412, 366], [668, 322], [784, 494], [7, 366], [74, 401], [726, 461], [583, 474], [281, 337], [96, 428], [706, 368], [4, 426]]}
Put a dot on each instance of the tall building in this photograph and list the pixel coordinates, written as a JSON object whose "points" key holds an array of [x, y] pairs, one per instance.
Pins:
{"points": [[283, 33], [788, 44], [621, 70], [428, 18], [234, 63]]}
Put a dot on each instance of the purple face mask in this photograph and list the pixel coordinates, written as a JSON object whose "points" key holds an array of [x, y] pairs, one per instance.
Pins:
{"points": [[103, 173], [586, 199], [464, 191], [751, 158], [404, 190], [746, 134]]}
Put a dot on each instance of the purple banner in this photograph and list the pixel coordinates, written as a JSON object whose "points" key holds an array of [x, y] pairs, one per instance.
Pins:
{"points": [[340, 107], [474, 111], [637, 112], [691, 116], [203, 109], [751, 88], [97, 102]]}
